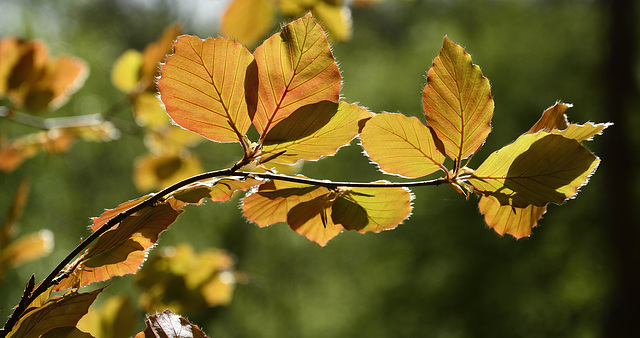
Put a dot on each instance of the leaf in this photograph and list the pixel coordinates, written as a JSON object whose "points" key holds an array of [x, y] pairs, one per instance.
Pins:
{"points": [[169, 325], [535, 169], [125, 73], [26, 248], [320, 214], [66, 332], [248, 20], [511, 220], [111, 213], [219, 190], [203, 87], [60, 78], [384, 208], [153, 171], [335, 18], [401, 145], [553, 118], [18, 150], [155, 53], [182, 280], [295, 68], [114, 318], [122, 249], [314, 131], [57, 312], [457, 102], [271, 202]]}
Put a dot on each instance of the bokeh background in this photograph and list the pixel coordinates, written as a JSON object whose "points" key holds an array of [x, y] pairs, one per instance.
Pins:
{"points": [[443, 273]]}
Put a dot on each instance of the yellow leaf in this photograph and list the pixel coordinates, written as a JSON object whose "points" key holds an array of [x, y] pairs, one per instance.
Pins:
{"points": [[248, 20], [125, 73]]}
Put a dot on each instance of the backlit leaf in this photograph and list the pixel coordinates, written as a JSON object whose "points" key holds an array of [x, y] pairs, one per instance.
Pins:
{"points": [[553, 118], [111, 213], [271, 202], [320, 214], [335, 18], [314, 131], [185, 281], [505, 219], [169, 325], [215, 190], [203, 87], [153, 172], [57, 312], [401, 145], [125, 73], [122, 249], [60, 78], [26, 248], [535, 169], [384, 208], [115, 317], [155, 53], [248, 20], [457, 101], [295, 68]]}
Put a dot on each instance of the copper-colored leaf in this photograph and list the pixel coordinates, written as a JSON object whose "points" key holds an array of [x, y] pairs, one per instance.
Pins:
{"points": [[401, 145], [506, 219], [57, 312], [203, 87], [26, 248], [110, 213], [314, 131], [122, 249], [457, 102], [169, 325], [60, 78], [552, 118], [295, 68], [535, 169], [248, 20]]}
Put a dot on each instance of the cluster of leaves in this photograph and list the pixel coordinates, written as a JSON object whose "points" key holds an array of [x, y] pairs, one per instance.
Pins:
{"points": [[288, 90], [32, 81]]}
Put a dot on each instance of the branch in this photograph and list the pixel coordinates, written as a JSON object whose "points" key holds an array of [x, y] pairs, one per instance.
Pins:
{"points": [[56, 275]]}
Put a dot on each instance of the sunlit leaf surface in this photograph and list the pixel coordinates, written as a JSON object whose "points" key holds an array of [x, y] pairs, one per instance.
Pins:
{"points": [[536, 169], [295, 68], [401, 145], [457, 101], [506, 219], [314, 131], [248, 20], [203, 87]]}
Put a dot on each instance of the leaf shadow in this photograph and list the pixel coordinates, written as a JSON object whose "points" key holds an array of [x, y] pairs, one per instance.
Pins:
{"points": [[349, 214], [529, 178], [303, 122]]}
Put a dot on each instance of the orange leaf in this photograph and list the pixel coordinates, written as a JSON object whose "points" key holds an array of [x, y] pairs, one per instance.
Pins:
{"points": [[271, 202], [401, 145], [169, 325], [60, 79], [111, 213], [248, 20], [203, 87], [295, 68], [122, 249], [314, 131], [552, 118], [457, 101], [57, 312]]}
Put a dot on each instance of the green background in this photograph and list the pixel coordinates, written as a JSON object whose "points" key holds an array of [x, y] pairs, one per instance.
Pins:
{"points": [[443, 272]]}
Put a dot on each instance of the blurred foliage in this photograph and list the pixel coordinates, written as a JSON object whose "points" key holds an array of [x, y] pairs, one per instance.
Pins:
{"points": [[442, 273]]}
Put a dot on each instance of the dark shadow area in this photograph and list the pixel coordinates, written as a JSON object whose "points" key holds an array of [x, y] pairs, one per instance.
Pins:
{"points": [[298, 125]]}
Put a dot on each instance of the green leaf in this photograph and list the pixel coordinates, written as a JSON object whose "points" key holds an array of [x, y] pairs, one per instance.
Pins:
{"points": [[535, 169], [314, 131], [57, 312], [203, 87], [457, 102], [295, 68], [401, 145]]}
